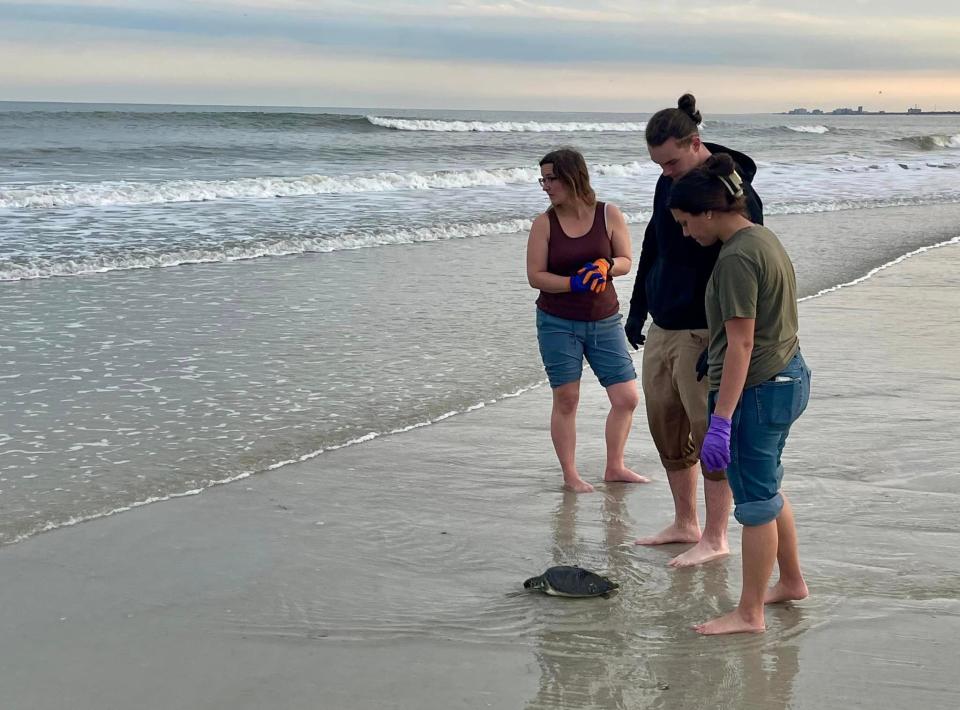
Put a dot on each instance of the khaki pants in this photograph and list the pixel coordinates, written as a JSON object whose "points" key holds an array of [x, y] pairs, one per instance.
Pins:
{"points": [[676, 403]]}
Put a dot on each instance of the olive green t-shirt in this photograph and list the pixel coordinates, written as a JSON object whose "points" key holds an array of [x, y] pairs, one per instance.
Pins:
{"points": [[753, 278]]}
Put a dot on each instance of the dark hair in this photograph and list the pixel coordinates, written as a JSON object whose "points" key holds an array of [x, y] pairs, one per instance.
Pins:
{"points": [[679, 123], [571, 168], [714, 186]]}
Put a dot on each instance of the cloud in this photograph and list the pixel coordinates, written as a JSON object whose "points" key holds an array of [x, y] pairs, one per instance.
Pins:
{"points": [[727, 35], [513, 47], [144, 69]]}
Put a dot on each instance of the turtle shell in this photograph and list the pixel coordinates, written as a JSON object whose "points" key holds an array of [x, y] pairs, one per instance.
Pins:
{"points": [[564, 581]]}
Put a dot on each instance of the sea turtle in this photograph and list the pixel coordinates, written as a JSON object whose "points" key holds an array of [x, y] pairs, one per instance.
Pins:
{"points": [[567, 581]]}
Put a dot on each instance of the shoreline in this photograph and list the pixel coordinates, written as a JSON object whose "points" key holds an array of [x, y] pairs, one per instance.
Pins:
{"points": [[240, 476], [406, 555]]}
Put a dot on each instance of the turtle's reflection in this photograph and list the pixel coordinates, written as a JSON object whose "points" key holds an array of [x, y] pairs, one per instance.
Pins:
{"points": [[635, 650]]}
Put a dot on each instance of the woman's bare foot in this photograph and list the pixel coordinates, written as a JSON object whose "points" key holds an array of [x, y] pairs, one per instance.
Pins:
{"points": [[781, 592], [700, 553], [672, 533], [733, 623], [623, 475], [577, 485]]}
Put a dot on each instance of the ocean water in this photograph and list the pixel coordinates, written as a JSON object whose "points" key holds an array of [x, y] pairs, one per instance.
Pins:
{"points": [[193, 295]]}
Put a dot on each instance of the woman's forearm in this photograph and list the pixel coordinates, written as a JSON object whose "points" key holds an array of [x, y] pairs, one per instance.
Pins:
{"points": [[621, 266], [549, 283], [736, 363]]}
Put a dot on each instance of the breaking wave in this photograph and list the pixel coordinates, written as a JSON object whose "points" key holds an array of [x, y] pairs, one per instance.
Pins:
{"points": [[42, 267], [932, 142], [808, 129], [423, 124], [115, 193]]}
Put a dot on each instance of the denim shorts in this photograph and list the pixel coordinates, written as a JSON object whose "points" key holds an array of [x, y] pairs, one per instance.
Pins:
{"points": [[564, 343], [760, 425]]}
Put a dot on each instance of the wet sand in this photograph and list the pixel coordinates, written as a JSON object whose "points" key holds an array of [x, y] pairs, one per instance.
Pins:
{"points": [[387, 575]]}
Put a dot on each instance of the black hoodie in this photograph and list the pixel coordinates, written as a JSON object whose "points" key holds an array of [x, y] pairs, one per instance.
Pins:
{"points": [[673, 270]]}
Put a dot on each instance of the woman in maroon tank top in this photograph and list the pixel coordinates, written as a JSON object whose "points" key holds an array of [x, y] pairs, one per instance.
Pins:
{"points": [[575, 249]]}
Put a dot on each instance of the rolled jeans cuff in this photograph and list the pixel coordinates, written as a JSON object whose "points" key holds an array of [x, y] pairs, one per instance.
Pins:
{"points": [[758, 512]]}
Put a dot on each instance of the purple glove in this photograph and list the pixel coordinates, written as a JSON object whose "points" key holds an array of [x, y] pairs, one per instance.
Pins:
{"points": [[715, 452]]}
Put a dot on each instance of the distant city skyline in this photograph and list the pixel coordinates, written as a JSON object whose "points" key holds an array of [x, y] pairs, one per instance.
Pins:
{"points": [[865, 110], [764, 56]]}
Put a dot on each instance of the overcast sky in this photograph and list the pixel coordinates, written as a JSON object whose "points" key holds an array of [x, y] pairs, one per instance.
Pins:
{"points": [[592, 55]]}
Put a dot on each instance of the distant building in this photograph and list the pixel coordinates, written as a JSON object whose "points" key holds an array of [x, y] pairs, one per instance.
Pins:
{"points": [[915, 109], [798, 112], [817, 112], [847, 111]]}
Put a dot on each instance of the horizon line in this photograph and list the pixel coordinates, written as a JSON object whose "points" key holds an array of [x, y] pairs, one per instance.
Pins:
{"points": [[357, 108]]}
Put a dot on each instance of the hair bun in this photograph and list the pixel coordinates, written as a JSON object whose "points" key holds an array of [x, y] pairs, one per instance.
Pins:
{"points": [[688, 104], [719, 165]]}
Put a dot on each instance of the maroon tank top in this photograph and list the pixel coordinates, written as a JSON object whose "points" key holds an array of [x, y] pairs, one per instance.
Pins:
{"points": [[565, 256]]}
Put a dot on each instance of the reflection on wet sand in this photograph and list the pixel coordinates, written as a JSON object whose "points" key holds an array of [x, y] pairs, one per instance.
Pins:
{"points": [[636, 650]]}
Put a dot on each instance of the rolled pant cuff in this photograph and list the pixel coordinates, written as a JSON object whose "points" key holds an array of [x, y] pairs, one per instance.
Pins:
{"points": [[670, 465], [758, 512]]}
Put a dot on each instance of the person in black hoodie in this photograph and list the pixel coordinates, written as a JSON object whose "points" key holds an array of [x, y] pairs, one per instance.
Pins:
{"points": [[670, 286]]}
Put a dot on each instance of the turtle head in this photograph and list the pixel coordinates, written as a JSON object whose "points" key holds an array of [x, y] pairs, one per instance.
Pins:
{"points": [[534, 583]]}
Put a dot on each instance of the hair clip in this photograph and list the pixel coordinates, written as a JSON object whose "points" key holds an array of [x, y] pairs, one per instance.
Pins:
{"points": [[734, 183]]}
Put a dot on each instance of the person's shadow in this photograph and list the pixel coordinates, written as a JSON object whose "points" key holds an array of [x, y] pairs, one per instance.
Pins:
{"points": [[636, 649]]}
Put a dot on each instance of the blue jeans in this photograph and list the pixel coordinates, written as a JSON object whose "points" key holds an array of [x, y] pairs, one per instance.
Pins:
{"points": [[760, 426], [564, 343]]}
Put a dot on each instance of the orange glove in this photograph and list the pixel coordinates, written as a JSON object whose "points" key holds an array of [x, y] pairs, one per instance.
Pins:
{"points": [[602, 266]]}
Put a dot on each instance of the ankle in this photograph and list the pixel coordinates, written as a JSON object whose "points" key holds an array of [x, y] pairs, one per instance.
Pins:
{"points": [[714, 538], [751, 614]]}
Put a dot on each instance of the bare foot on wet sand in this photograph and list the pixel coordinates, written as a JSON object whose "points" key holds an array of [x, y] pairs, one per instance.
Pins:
{"points": [[732, 623], [781, 592], [623, 475], [700, 553], [577, 485], [672, 533]]}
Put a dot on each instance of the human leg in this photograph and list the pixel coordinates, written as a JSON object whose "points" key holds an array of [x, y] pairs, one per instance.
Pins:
{"points": [[685, 526], [561, 348], [605, 348], [791, 585], [759, 429], [718, 500], [759, 551], [713, 543], [624, 399], [779, 404], [669, 429], [563, 432]]}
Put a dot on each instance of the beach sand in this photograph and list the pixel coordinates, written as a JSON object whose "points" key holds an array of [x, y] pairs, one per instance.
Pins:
{"points": [[388, 574]]}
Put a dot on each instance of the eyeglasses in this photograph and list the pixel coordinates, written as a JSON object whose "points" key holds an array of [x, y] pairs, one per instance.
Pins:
{"points": [[547, 178]]}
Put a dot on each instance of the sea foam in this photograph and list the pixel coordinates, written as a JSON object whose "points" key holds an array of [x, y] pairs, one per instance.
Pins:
{"points": [[423, 124], [809, 129], [933, 142], [117, 193]]}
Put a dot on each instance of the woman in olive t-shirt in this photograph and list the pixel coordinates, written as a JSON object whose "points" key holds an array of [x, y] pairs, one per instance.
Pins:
{"points": [[759, 383]]}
